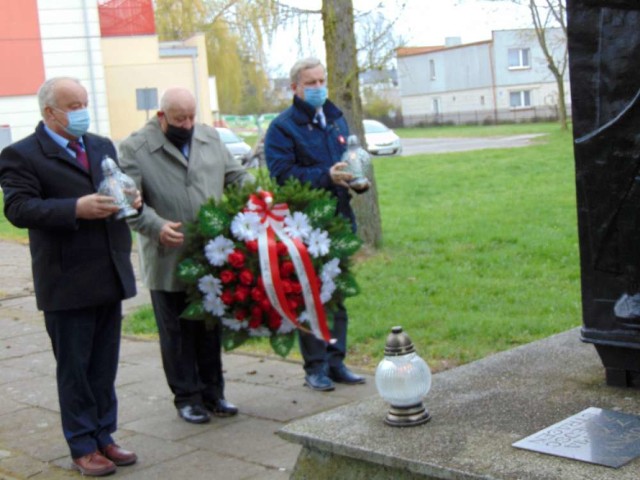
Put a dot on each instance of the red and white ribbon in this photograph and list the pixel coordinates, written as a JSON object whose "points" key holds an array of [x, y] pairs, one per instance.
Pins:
{"points": [[273, 217]]}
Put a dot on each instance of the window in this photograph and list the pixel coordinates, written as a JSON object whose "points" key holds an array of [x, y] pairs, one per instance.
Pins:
{"points": [[432, 69], [520, 99], [519, 58]]}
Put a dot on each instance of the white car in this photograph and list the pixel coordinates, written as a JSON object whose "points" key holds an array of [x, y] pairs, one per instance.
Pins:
{"points": [[238, 147], [381, 140]]}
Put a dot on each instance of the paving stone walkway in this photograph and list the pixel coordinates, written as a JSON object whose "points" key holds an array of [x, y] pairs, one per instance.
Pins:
{"points": [[268, 391]]}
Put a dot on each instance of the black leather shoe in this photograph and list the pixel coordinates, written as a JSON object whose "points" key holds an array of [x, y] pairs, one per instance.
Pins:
{"points": [[221, 408], [194, 414], [342, 374], [319, 382]]}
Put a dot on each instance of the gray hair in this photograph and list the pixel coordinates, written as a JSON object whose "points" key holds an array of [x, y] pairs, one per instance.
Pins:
{"points": [[46, 92], [301, 65]]}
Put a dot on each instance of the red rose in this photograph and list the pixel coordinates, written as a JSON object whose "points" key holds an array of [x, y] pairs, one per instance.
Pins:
{"points": [[227, 297], [294, 303], [296, 288], [256, 313], [241, 294], [260, 283], [255, 322], [275, 320], [286, 286], [227, 276], [246, 277], [265, 304], [252, 246], [257, 294], [287, 269], [281, 249], [241, 314], [236, 259]]}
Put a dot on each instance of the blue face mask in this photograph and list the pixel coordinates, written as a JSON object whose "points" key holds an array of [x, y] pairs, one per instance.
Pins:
{"points": [[315, 96], [79, 121]]}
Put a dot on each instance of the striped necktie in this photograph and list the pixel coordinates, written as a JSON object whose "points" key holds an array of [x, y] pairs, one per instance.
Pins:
{"points": [[81, 155], [320, 119]]}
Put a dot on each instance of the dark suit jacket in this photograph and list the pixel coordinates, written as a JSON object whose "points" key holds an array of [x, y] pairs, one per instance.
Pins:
{"points": [[76, 263]]}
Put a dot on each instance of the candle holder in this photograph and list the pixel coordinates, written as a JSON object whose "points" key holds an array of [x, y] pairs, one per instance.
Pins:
{"points": [[403, 379]]}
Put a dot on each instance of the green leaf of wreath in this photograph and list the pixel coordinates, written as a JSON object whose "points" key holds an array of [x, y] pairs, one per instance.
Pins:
{"points": [[347, 285], [233, 338], [282, 344], [321, 212], [190, 271], [344, 245], [194, 311], [212, 221]]}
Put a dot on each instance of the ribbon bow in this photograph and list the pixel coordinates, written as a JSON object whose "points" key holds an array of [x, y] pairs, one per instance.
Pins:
{"points": [[273, 217]]}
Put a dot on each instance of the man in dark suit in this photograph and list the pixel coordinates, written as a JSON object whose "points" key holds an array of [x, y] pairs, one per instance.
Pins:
{"points": [[81, 265]]}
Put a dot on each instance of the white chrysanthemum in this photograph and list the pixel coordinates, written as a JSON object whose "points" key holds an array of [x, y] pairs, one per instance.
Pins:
{"points": [[210, 284], [246, 226], [286, 326], [217, 250], [318, 243], [297, 225], [330, 270], [261, 331], [213, 304], [327, 290], [234, 324]]}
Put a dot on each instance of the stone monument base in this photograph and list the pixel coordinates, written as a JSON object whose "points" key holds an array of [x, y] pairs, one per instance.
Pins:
{"points": [[478, 411]]}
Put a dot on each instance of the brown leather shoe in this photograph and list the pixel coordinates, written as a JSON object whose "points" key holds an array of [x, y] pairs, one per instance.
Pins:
{"points": [[118, 455], [94, 465]]}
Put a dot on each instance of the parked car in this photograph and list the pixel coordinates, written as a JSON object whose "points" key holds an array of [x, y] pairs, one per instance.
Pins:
{"points": [[381, 140], [238, 147], [255, 158]]}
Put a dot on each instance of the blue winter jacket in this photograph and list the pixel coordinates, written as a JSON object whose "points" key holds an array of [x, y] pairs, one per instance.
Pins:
{"points": [[296, 146]]}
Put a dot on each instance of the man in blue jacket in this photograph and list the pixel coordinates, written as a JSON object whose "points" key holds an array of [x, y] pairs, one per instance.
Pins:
{"points": [[306, 142], [81, 265]]}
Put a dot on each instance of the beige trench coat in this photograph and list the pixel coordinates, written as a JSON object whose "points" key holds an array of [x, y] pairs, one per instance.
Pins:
{"points": [[173, 189]]}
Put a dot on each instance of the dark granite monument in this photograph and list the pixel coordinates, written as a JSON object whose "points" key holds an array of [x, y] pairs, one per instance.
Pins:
{"points": [[604, 53]]}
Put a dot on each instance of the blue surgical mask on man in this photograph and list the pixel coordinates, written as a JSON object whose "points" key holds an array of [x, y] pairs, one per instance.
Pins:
{"points": [[79, 121], [315, 96]]}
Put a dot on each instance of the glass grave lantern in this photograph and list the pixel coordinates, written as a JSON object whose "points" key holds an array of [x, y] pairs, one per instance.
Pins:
{"points": [[403, 379]]}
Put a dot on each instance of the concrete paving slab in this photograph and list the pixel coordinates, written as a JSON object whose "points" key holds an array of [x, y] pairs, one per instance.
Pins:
{"points": [[240, 439], [40, 391], [39, 363], [269, 402], [32, 432], [198, 465]]}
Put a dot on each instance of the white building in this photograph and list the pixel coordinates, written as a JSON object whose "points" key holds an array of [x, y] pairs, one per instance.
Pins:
{"points": [[499, 80]]}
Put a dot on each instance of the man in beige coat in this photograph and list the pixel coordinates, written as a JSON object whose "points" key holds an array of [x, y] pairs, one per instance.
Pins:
{"points": [[178, 165]]}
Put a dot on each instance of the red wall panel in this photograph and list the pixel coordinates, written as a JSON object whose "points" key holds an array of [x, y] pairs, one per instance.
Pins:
{"points": [[21, 64], [126, 17]]}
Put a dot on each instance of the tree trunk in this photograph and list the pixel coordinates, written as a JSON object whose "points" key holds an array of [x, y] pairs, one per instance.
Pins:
{"points": [[344, 90], [562, 105]]}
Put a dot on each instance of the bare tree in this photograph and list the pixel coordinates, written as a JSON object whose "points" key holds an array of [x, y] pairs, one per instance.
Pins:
{"points": [[343, 83], [553, 13], [547, 16]]}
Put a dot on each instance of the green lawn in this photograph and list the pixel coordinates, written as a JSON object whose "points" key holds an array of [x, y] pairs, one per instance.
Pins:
{"points": [[480, 250]]}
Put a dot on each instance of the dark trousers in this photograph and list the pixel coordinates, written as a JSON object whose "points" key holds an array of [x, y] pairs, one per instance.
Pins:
{"points": [[86, 345], [191, 351], [318, 355]]}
